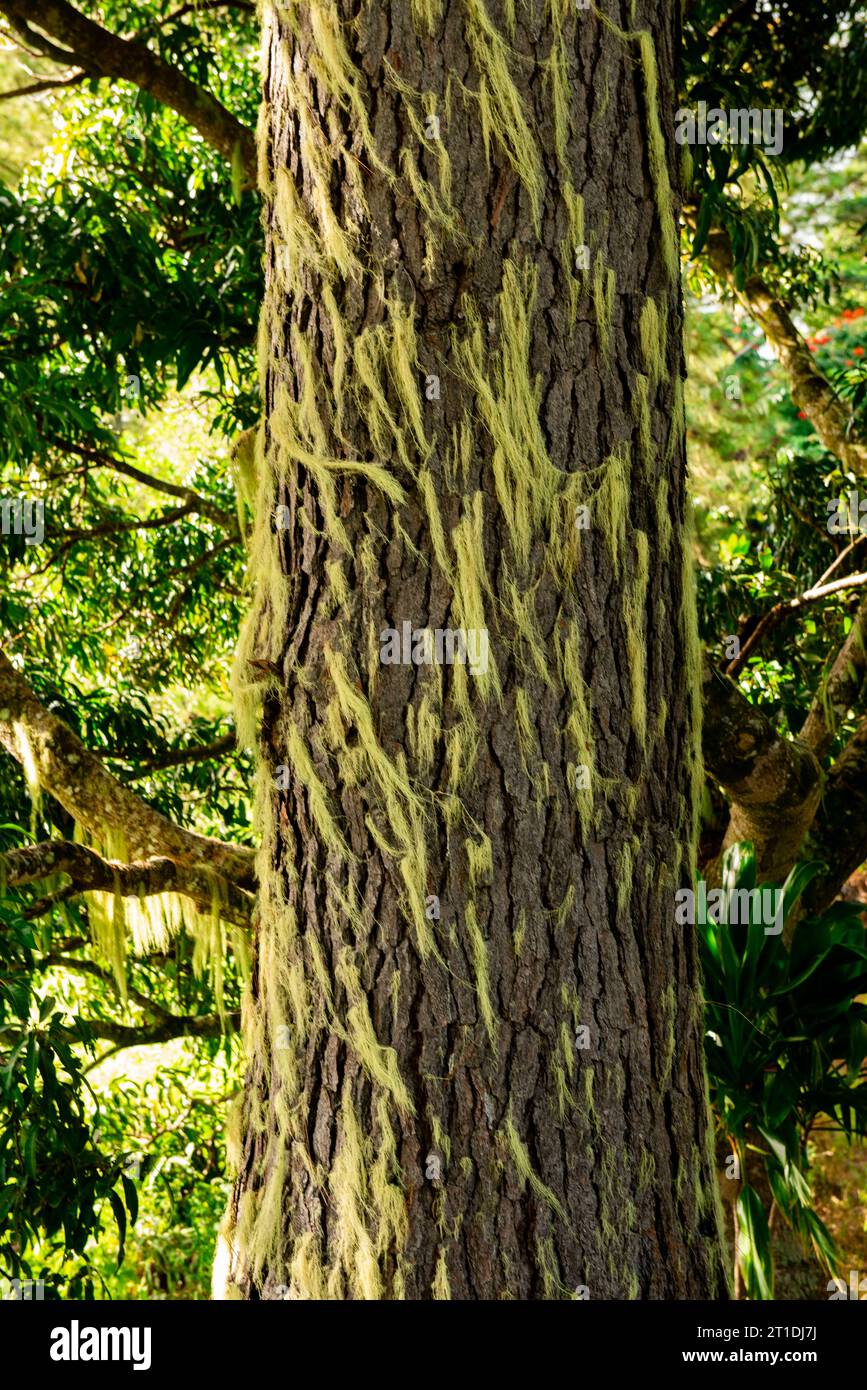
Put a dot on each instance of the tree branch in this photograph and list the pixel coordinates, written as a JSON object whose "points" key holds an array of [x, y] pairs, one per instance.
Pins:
{"points": [[103, 54], [785, 609], [175, 1026], [839, 834], [199, 753], [841, 690], [46, 85], [55, 758], [89, 872], [811, 391], [98, 459], [773, 784]]}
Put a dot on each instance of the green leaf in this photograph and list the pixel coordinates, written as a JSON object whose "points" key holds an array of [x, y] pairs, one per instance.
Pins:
{"points": [[119, 1210], [131, 1197], [799, 878], [30, 1152], [754, 1245]]}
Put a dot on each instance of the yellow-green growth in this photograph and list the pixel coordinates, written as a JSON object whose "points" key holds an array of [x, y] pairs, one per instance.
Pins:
{"points": [[653, 335], [669, 1011], [626, 871], [427, 489], [692, 654], [441, 1289], [424, 731], [589, 1103], [404, 809], [524, 728], [612, 503], [604, 285], [340, 351], [302, 765], [481, 972], [663, 515], [521, 1160], [480, 860], [507, 398], [570, 244], [579, 724], [557, 75], [404, 366], [656, 152], [521, 608], [354, 1247], [657, 155], [634, 623], [646, 1170], [641, 406], [470, 585], [501, 109], [519, 932]]}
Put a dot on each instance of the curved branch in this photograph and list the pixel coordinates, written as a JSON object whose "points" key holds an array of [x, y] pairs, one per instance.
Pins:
{"points": [[46, 85], [175, 1026], [98, 459], [55, 758], [89, 872], [773, 784], [839, 834], [103, 54], [841, 690], [811, 391], [785, 609], [177, 757]]}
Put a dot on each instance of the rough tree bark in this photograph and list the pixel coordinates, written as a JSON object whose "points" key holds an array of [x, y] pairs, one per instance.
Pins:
{"points": [[474, 1031]]}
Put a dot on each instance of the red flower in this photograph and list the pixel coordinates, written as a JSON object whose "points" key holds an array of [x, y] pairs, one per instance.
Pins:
{"points": [[802, 414], [859, 351]]}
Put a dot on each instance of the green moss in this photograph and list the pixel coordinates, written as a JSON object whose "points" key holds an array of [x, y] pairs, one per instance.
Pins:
{"points": [[502, 112], [521, 1159], [441, 1288], [481, 972], [634, 623], [604, 285], [653, 335]]}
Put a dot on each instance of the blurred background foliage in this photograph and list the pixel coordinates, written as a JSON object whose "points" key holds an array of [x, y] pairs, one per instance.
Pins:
{"points": [[130, 279]]}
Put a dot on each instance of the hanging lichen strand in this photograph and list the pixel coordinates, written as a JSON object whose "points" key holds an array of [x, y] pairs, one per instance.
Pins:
{"points": [[468, 363]]}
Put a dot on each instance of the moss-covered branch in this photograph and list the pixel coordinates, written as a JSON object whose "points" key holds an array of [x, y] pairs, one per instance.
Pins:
{"points": [[89, 872], [774, 784], [55, 760]]}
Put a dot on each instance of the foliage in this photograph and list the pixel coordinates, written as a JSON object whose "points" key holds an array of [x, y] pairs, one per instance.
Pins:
{"points": [[786, 1044], [56, 1188]]}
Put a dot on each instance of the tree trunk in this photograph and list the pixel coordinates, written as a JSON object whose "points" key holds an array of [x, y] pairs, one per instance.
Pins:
{"points": [[474, 1031]]}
